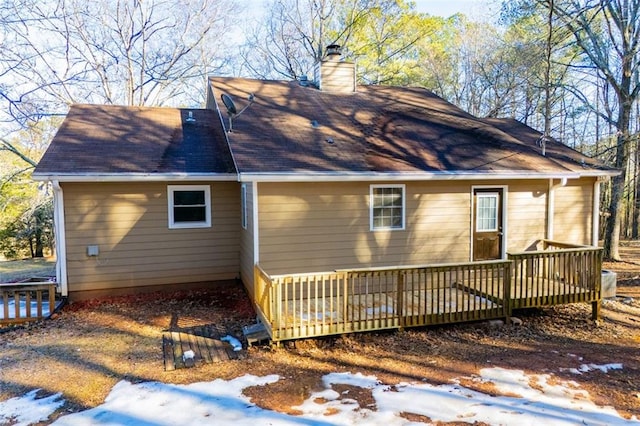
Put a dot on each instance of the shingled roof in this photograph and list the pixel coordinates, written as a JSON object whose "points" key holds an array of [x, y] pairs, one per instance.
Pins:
{"points": [[295, 129], [301, 132], [109, 141]]}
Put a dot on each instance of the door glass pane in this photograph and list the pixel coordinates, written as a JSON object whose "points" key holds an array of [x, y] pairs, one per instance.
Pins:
{"points": [[487, 213]]}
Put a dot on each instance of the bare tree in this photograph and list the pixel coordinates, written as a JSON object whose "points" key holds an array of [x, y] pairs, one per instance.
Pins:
{"points": [[122, 52], [296, 33], [607, 32]]}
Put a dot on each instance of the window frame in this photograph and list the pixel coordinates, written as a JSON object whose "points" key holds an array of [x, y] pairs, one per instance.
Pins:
{"points": [[171, 189], [373, 207], [488, 195]]}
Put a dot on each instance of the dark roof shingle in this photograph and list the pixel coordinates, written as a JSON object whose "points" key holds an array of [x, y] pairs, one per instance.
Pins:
{"points": [[292, 129], [108, 139]]}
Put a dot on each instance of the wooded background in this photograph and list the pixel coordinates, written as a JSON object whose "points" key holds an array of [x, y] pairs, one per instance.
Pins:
{"points": [[568, 68]]}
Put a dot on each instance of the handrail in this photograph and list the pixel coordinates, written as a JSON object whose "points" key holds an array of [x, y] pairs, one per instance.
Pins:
{"points": [[422, 266], [562, 250], [23, 292], [560, 246]]}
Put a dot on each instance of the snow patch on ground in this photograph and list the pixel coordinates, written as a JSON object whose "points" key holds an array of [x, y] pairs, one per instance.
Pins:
{"points": [[23, 308], [221, 402], [585, 368], [28, 409]]}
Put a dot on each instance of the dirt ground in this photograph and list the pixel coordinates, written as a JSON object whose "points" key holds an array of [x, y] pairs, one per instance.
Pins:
{"points": [[85, 349]]}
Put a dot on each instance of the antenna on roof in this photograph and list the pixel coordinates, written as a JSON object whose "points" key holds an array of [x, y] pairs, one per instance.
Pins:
{"points": [[232, 110]]}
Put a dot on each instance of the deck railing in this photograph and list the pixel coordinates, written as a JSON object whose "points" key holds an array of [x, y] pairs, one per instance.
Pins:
{"points": [[26, 301], [317, 304], [556, 273]]}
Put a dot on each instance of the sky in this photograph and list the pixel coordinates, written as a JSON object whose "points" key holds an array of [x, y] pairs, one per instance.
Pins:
{"points": [[446, 8], [550, 402]]}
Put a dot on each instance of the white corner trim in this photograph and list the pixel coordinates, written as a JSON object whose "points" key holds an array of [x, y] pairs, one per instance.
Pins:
{"points": [[595, 215], [254, 221], [61, 240]]}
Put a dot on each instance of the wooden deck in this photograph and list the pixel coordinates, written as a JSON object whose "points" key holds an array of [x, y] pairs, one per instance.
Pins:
{"points": [[309, 305], [188, 347], [27, 301]]}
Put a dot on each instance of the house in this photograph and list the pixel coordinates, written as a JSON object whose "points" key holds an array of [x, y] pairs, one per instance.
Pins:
{"points": [[298, 177]]}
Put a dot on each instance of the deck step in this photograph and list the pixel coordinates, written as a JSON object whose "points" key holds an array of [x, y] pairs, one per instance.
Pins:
{"points": [[255, 333], [188, 347]]}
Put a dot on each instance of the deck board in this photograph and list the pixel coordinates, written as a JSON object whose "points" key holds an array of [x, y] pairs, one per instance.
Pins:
{"points": [[205, 343]]}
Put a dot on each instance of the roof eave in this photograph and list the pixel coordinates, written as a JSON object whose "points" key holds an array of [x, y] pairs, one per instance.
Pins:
{"points": [[134, 177], [414, 176]]}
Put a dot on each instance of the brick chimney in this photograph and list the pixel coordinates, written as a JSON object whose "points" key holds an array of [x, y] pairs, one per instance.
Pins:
{"points": [[334, 75]]}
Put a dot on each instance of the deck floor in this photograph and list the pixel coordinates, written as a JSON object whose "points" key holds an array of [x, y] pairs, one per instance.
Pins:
{"points": [[205, 345]]}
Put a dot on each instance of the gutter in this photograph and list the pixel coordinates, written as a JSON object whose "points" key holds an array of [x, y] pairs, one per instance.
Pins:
{"points": [[60, 238], [136, 177], [411, 176]]}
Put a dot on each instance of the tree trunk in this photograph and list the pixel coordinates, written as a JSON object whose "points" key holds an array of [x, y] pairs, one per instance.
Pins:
{"points": [[636, 201], [612, 234]]}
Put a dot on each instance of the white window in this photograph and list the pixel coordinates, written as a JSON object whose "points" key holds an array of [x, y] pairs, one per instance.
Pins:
{"points": [[487, 212], [243, 201], [189, 206], [387, 207]]}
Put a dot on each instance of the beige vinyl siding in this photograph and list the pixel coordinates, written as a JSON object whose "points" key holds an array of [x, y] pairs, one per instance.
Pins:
{"points": [[526, 216], [247, 258], [573, 212], [129, 224], [325, 226]]}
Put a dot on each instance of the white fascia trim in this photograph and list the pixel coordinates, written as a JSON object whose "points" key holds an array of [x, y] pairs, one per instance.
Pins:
{"points": [[61, 238], [399, 176], [137, 177]]}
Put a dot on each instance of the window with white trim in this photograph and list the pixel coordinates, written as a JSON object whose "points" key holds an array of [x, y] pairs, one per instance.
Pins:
{"points": [[243, 202], [387, 207], [189, 206]]}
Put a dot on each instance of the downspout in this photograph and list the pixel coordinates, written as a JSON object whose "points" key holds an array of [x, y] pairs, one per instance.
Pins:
{"points": [[61, 241], [595, 215], [551, 207], [256, 227]]}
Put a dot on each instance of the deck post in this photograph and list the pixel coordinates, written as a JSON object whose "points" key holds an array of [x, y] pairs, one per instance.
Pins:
{"points": [[401, 299], [507, 276], [596, 307]]}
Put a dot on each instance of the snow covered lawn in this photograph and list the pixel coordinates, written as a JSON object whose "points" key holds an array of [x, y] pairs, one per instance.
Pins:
{"points": [[220, 402]]}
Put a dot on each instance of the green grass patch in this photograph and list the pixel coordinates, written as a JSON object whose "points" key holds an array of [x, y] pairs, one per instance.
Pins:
{"points": [[16, 270]]}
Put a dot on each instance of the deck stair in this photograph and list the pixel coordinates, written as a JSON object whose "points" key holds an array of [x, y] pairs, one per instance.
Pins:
{"points": [[255, 333]]}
